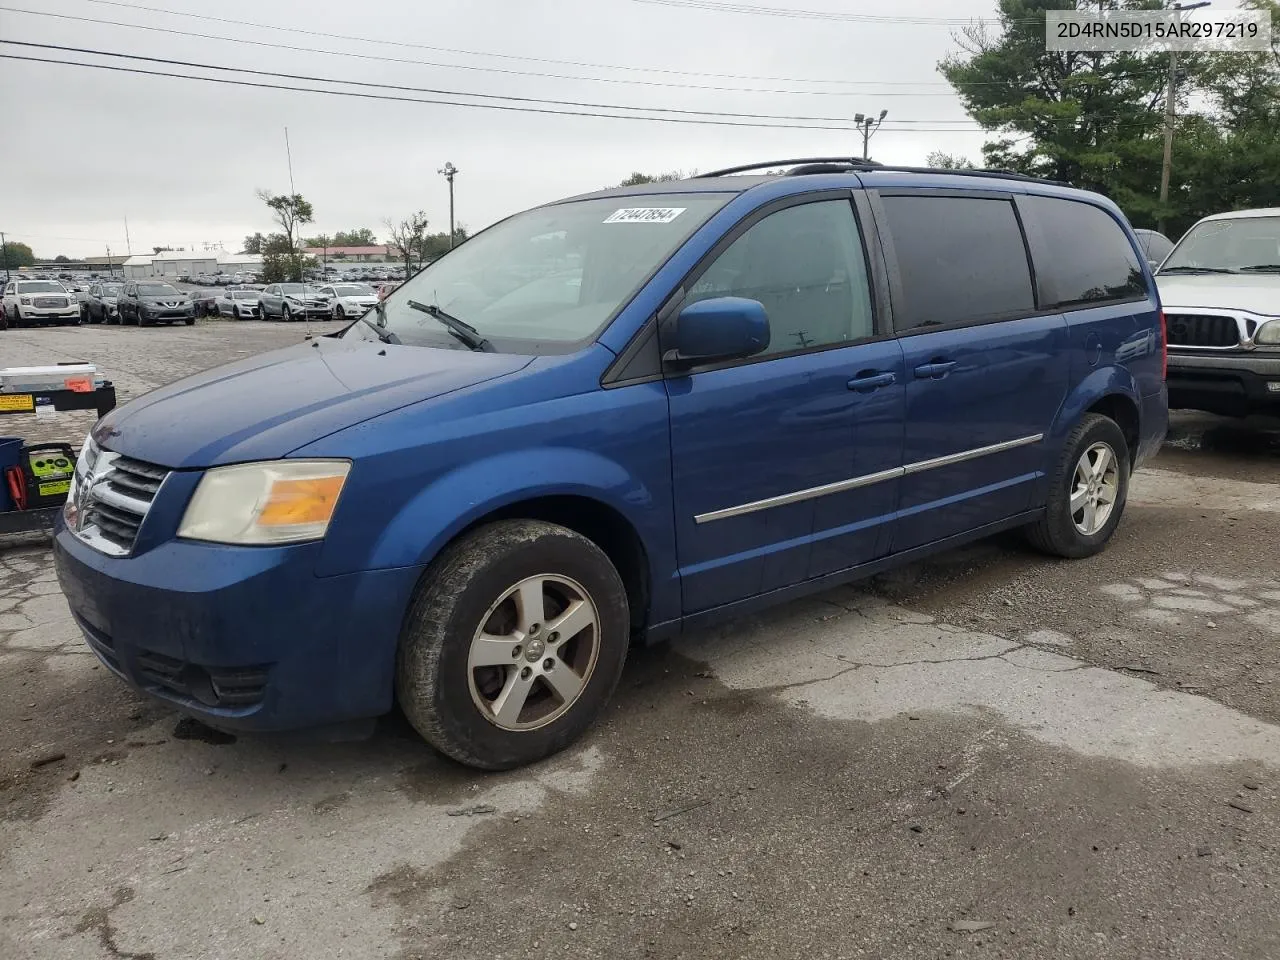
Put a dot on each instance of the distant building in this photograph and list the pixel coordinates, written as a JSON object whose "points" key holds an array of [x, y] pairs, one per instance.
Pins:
{"points": [[375, 254], [177, 263]]}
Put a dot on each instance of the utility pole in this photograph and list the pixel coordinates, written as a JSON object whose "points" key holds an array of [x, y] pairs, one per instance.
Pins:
{"points": [[868, 125], [111, 270], [449, 171], [4, 255], [1170, 118]]}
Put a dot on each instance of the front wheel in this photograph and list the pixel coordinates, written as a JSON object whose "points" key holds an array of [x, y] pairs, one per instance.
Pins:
{"points": [[339, 312], [1088, 491], [286, 314], [513, 644]]}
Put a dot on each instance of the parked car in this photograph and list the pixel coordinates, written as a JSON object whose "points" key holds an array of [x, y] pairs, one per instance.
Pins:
{"points": [[37, 302], [100, 307], [349, 299], [1155, 246], [204, 303], [293, 301], [148, 302], [758, 387], [239, 303], [1221, 292]]}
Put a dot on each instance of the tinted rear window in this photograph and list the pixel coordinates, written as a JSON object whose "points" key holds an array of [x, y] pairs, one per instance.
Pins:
{"points": [[962, 260], [1089, 257]]}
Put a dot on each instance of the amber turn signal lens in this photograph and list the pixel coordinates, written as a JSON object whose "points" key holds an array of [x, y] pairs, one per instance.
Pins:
{"points": [[294, 502]]}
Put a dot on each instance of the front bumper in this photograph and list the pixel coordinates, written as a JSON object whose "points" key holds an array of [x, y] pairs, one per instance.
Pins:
{"points": [[35, 314], [245, 638], [1228, 383], [166, 316]]}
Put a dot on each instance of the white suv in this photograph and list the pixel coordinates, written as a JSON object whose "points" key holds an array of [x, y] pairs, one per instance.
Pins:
{"points": [[1221, 293], [31, 302]]}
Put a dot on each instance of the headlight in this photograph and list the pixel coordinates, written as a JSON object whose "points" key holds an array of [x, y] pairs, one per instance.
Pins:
{"points": [[282, 501], [1268, 334], [25, 301]]}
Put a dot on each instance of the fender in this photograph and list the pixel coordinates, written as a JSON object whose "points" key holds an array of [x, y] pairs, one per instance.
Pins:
{"points": [[1101, 383], [457, 499]]}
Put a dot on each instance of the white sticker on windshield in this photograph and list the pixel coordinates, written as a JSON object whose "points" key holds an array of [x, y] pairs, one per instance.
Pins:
{"points": [[645, 215]]}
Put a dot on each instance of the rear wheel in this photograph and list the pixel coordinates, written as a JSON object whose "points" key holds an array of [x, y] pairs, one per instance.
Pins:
{"points": [[513, 645], [1088, 491]]}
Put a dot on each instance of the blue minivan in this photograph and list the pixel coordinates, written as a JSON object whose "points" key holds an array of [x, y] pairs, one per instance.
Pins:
{"points": [[623, 415]]}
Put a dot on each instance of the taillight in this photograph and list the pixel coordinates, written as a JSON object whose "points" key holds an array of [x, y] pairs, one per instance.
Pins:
{"points": [[1164, 347]]}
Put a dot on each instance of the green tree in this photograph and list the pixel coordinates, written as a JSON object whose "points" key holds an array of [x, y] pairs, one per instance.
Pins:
{"points": [[291, 212], [1096, 119], [437, 244], [253, 244], [61, 258], [941, 160], [361, 237], [17, 255], [637, 179], [281, 261]]}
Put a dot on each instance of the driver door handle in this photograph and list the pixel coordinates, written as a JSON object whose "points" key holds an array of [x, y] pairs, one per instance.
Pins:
{"points": [[870, 380], [935, 370]]}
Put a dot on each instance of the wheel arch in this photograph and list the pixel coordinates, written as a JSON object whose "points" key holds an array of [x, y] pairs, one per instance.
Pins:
{"points": [[600, 523]]}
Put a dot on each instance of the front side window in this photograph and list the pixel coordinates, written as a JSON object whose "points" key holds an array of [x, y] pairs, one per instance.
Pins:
{"points": [[1241, 245], [1088, 257], [550, 278], [806, 265], [960, 259]]}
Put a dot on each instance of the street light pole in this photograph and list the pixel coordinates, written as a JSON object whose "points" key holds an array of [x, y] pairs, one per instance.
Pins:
{"points": [[867, 125], [449, 171], [1170, 118], [4, 255]]}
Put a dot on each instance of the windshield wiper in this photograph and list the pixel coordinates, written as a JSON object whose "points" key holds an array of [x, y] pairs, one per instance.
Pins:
{"points": [[1195, 270], [459, 328], [1261, 268], [385, 335]]}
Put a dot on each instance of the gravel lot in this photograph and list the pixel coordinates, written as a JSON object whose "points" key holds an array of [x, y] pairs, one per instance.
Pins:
{"points": [[988, 754]]}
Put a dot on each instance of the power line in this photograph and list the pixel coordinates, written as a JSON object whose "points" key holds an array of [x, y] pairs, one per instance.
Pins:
{"points": [[469, 53], [431, 90], [747, 8], [382, 58], [447, 103]]}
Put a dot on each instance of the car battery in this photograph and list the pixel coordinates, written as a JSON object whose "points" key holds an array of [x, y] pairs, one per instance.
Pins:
{"points": [[82, 377], [42, 476]]}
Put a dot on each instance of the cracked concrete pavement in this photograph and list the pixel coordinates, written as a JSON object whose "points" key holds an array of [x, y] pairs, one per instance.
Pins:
{"points": [[986, 753]]}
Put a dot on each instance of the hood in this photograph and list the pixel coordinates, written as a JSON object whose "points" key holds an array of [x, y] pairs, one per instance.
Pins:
{"points": [[163, 298], [1253, 292], [264, 407]]}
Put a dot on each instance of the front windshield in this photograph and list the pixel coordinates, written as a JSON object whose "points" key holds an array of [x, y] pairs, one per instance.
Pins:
{"points": [[1234, 245], [244, 294], [41, 286], [297, 290], [354, 290], [548, 277], [157, 290], [110, 289]]}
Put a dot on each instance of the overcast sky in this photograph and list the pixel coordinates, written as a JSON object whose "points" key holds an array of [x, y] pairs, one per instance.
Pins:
{"points": [[181, 158]]}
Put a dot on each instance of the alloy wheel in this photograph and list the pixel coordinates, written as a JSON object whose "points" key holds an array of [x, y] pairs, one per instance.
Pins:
{"points": [[1094, 488], [534, 652]]}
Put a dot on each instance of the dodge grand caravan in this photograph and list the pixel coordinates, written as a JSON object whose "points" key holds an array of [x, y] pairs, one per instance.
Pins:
{"points": [[622, 415]]}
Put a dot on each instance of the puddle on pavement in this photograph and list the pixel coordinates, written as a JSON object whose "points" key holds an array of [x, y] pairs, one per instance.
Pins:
{"points": [[1245, 439]]}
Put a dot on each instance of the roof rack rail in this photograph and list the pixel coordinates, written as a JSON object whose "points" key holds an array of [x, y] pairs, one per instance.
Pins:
{"points": [[814, 165], [851, 162]]}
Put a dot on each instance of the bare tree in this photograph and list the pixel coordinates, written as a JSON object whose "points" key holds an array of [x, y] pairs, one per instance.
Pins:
{"points": [[409, 238]]}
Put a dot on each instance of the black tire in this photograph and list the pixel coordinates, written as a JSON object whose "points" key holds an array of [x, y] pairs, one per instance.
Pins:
{"points": [[286, 314], [433, 678], [340, 312], [1057, 533]]}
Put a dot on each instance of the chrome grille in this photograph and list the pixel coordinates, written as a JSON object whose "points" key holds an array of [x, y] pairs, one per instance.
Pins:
{"points": [[111, 497], [50, 303], [1202, 330]]}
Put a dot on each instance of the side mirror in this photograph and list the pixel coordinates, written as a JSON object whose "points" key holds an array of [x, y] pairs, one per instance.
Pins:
{"points": [[722, 328]]}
